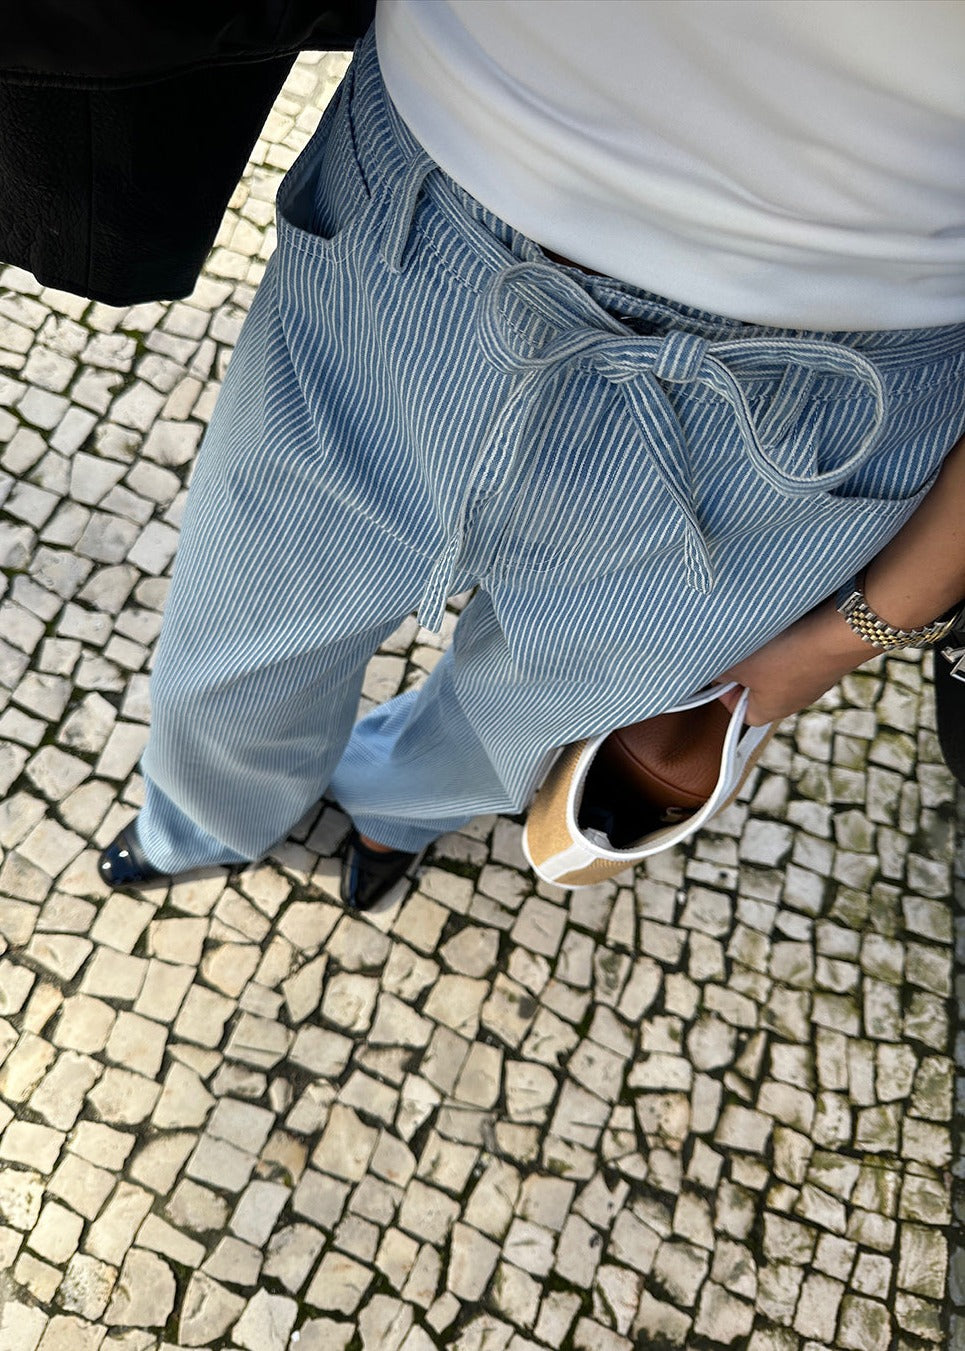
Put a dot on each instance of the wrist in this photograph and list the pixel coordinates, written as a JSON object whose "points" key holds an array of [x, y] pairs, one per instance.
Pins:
{"points": [[822, 639], [837, 638], [902, 607], [882, 632], [894, 603]]}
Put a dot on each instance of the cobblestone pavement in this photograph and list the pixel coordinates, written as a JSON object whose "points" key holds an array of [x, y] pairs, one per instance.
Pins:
{"points": [[710, 1106]]}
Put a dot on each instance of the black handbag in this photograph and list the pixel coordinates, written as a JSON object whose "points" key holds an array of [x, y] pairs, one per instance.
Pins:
{"points": [[950, 700]]}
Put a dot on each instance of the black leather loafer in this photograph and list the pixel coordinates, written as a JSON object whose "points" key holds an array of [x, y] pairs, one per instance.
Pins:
{"points": [[123, 864], [369, 874]]}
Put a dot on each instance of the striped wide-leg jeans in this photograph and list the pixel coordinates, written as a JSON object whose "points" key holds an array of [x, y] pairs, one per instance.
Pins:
{"points": [[421, 403]]}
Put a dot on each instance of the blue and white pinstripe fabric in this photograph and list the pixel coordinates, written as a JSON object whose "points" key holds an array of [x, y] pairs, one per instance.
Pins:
{"points": [[420, 402]]}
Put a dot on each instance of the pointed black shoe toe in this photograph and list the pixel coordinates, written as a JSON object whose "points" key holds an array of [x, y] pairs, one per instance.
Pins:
{"points": [[369, 874], [123, 864]]}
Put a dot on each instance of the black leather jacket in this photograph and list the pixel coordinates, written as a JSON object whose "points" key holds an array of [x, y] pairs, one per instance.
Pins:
{"points": [[125, 125]]}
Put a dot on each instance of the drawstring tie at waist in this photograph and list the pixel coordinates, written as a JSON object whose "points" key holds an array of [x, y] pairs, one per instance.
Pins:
{"points": [[638, 366]]}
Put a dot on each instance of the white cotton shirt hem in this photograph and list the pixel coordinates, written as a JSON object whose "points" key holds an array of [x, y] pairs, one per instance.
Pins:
{"points": [[798, 165]]}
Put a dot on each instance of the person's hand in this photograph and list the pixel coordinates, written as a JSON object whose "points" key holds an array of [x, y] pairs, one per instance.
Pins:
{"points": [[918, 575], [796, 667]]}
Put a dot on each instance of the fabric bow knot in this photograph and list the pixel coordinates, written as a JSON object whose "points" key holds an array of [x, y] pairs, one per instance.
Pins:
{"points": [[640, 366]]}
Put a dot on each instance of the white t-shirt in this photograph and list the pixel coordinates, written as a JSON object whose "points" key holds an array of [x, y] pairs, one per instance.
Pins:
{"points": [[788, 162]]}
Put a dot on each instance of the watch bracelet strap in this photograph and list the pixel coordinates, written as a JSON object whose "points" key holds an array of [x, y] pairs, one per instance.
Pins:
{"points": [[877, 632]]}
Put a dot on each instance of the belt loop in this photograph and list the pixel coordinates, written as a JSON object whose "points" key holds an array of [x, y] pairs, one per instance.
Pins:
{"points": [[404, 198], [785, 404]]}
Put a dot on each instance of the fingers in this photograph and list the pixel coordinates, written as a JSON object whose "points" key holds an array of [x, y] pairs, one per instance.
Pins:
{"points": [[731, 699], [754, 714], [753, 717]]}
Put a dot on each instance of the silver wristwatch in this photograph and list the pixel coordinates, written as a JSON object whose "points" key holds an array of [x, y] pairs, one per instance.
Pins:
{"points": [[860, 617]]}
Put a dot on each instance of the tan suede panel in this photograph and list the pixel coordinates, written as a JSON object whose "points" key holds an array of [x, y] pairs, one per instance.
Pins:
{"points": [[546, 832], [600, 870]]}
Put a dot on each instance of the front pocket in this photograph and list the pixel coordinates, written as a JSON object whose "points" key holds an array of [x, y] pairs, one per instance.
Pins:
{"points": [[585, 509], [325, 190], [925, 414]]}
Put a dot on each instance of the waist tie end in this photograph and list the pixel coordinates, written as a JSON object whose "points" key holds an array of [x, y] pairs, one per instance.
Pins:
{"points": [[432, 606]]}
